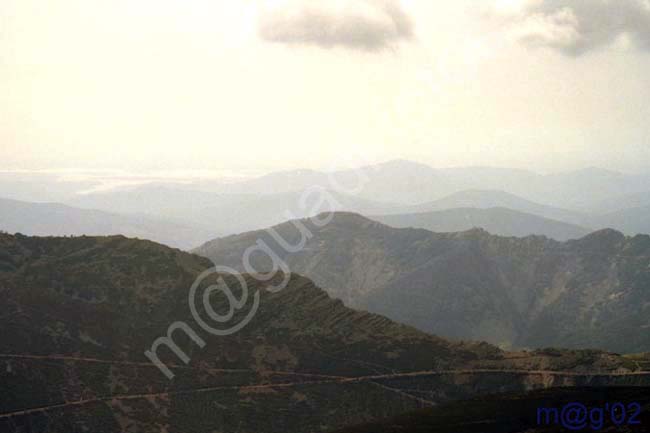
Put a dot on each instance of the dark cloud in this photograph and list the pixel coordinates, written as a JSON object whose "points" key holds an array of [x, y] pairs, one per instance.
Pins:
{"points": [[369, 25], [576, 27]]}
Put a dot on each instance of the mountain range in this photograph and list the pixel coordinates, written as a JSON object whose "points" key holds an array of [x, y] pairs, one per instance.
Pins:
{"points": [[486, 199], [224, 213], [591, 199], [510, 202], [499, 221], [514, 292], [410, 183], [55, 219], [78, 315]]}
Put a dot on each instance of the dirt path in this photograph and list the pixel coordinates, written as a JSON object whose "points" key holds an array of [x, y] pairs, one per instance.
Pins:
{"points": [[151, 365]]}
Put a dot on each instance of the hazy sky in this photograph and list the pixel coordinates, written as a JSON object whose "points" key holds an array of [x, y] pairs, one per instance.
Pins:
{"points": [[252, 84]]}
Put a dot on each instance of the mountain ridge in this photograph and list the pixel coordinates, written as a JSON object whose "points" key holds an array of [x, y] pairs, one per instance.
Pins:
{"points": [[497, 220], [526, 292], [56, 219]]}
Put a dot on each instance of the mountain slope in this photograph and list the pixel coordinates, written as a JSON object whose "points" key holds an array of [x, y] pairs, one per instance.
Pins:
{"points": [[528, 292], [79, 313], [499, 221], [53, 219]]}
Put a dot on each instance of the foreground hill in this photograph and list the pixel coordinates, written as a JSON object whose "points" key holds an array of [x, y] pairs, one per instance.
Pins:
{"points": [[499, 221], [522, 292], [79, 313], [53, 219], [517, 413]]}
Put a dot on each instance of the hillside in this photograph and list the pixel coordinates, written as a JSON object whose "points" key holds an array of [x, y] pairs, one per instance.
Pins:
{"points": [[498, 221], [54, 219], [521, 292], [79, 313]]}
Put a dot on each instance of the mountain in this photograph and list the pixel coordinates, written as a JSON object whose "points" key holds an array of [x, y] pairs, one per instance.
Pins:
{"points": [[630, 221], [521, 292], [78, 315], [499, 221], [398, 181], [167, 201], [227, 213], [246, 213], [411, 183], [486, 199], [518, 413], [53, 219]]}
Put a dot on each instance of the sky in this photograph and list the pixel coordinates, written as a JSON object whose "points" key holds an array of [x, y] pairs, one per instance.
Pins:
{"points": [[253, 85]]}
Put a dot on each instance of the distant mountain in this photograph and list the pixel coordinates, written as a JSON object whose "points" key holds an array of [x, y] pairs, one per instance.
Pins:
{"points": [[518, 413], [498, 221], [524, 292], [79, 313], [398, 181], [476, 208], [53, 219], [166, 201], [486, 199], [227, 213], [410, 183], [630, 221]]}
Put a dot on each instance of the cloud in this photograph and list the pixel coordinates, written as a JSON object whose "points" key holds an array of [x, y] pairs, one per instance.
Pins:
{"points": [[575, 27], [368, 25]]}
